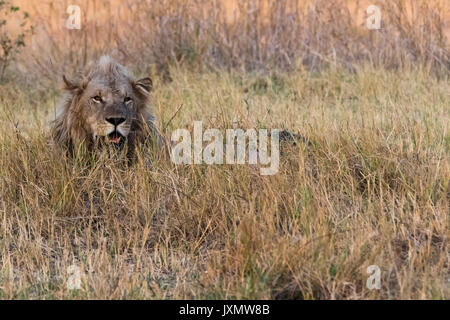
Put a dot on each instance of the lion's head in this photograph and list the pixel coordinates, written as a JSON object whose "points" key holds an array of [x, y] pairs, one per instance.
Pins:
{"points": [[106, 105]]}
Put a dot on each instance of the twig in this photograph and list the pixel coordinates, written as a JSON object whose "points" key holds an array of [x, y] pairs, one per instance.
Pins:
{"points": [[170, 120]]}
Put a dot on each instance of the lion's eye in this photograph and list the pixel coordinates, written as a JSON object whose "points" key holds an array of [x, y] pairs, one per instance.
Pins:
{"points": [[97, 99], [127, 99]]}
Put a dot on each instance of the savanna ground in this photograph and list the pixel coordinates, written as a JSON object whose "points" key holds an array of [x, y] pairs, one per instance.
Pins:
{"points": [[371, 189]]}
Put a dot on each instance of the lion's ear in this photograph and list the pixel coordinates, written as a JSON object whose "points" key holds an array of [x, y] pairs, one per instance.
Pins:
{"points": [[69, 85], [144, 85]]}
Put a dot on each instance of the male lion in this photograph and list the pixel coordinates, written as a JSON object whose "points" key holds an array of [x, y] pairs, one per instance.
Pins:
{"points": [[106, 106]]}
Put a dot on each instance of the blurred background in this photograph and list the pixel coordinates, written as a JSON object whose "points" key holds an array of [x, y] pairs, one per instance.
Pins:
{"points": [[250, 35]]}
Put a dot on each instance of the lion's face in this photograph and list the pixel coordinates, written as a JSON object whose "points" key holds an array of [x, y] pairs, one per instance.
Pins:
{"points": [[107, 105], [109, 109]]}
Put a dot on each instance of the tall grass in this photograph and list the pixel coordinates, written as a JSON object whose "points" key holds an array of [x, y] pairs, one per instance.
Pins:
{"points": [[244, 35], [373, 189]]}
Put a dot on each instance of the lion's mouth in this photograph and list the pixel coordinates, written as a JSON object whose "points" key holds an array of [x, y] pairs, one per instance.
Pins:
{"points": [[115, 138]]}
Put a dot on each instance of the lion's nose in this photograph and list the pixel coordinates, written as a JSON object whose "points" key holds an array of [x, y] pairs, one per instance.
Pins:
{"points": [[115, 121]]}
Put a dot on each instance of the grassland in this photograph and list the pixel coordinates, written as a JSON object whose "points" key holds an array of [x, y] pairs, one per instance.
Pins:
{"points": [[372, 189]]}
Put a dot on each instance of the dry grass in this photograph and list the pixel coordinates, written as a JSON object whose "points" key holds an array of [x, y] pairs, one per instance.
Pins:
{"points": [[372, 189], [243, 35]]}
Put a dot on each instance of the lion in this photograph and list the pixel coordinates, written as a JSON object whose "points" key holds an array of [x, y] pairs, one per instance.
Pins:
{"points": [[106, 106]]}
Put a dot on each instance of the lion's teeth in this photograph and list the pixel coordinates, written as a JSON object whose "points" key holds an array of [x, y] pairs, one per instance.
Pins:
{"points": [[115, 139]]}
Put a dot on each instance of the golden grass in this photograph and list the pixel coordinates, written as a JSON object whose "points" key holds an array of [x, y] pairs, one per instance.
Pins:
{"points": [[244, 35], [372, 189]]}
